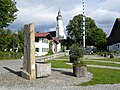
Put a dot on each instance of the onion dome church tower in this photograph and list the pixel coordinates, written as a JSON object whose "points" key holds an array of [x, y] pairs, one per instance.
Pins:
{"points": [[60, 33]]}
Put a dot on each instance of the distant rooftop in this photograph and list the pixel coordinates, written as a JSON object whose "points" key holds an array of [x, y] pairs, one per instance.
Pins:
{"points": [[41, 34], [115, 33]]}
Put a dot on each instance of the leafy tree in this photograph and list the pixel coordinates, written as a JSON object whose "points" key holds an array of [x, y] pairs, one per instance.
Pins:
{"points": [[21, 38], [5, 39], [97, 38], [7, 12], [15, 41], [94, 35], [11, 40], [74, 28]]}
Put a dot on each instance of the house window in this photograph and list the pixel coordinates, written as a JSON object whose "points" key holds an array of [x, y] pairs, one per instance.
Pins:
{"points": [[45, 49], [40, 39], [44, 40], [37, 49], [36, 39], [118, 46]]}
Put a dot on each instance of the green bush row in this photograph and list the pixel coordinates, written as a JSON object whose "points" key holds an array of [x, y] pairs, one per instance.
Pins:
{"points": [[10, 55]]}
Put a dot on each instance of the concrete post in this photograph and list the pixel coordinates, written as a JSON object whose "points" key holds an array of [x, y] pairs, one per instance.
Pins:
{"points": [[29, 71]]}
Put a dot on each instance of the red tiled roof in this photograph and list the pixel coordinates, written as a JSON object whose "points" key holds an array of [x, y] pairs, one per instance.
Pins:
{"points": [[56, 39], [41, 34]]}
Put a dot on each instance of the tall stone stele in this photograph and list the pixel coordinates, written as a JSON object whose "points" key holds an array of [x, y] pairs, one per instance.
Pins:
{"points": [[29, 71]]}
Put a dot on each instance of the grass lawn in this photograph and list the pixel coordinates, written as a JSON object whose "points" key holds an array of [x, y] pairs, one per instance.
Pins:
{"points": [[100, 75], [103, 76], [103, 63], [59, 64]]}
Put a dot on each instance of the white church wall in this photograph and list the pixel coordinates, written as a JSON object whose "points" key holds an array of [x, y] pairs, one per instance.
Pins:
{"points": [[53, 48], [56, 47], [59, 47], [60, 27]]}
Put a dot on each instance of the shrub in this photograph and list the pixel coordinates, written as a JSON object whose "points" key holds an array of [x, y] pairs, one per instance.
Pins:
{"points": [[77, 55], [10, 55]]}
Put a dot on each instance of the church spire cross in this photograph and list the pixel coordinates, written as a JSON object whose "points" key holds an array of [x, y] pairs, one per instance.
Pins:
{"points": [[59, 17], [59, 12]]}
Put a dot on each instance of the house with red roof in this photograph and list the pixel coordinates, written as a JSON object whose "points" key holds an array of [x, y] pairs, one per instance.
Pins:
{"points": [[42, 43], [43, 39]]}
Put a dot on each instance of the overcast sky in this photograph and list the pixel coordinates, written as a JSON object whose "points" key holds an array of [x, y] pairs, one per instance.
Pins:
{"points": [[43, 13]]}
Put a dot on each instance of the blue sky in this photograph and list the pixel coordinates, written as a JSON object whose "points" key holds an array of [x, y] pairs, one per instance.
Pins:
{"points": [[43, 13]]}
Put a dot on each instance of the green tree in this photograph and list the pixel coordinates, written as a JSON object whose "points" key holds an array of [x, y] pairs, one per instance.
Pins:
{"points": [[97, 37], [15, 41], [11, 40], [94, 35], [21, 39], [5, 39], [7, 12]]}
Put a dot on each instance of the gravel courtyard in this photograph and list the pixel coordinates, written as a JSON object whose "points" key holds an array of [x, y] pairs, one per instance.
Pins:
{"points": [[61, 79]]}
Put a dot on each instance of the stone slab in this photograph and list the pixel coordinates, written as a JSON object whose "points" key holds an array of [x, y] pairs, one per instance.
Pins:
{"points": [[28, 71], [43, 69]]}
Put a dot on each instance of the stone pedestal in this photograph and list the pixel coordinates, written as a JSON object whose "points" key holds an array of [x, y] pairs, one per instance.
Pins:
{"points": [[29, 71], [43, 69], [79, 71]]}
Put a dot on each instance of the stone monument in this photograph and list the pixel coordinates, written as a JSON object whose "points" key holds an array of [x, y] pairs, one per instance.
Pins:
{"points": [[29, 71]]}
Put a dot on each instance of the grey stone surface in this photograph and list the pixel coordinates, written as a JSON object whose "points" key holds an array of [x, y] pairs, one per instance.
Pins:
{"points": [[104, 61], [61, 79], [43, 69], [10, 78], [93, 57]]}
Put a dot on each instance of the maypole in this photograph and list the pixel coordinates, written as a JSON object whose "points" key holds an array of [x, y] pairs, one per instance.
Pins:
{"points": [[83, 26]]}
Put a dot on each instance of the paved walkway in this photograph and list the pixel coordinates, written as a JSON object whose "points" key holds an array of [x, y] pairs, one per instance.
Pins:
{"points": [[10, 78], [93, 57], [61, 79], [100, 66], [89, 57], [104, 61]]}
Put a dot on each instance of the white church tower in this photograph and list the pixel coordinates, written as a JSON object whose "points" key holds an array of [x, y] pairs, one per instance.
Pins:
{"points": [[60, 33]]}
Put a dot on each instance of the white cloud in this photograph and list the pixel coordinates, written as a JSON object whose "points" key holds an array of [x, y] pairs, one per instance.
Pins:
{"points": [[77, 9], [104, 18], [38, 14], [52, 29], [43, 12], [112, 5]]}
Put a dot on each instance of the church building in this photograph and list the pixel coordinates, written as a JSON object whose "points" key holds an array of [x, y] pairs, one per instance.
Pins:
{"points": [[60, 32], [43, 39]]}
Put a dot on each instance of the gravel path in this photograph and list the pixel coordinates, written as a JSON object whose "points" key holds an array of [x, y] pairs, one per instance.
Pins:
{"points": [[100, 66], [10, 78], [93, 57], [104, 61], [61, 79]]}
